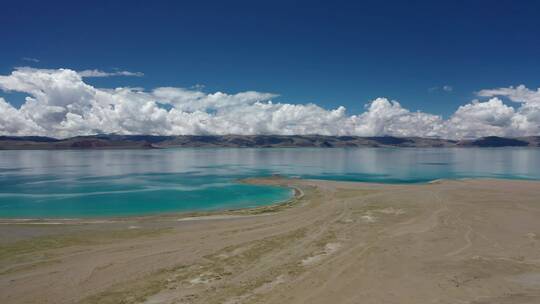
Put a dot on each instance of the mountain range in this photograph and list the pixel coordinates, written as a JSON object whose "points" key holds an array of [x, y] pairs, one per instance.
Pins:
{"points": [[113, 141]]}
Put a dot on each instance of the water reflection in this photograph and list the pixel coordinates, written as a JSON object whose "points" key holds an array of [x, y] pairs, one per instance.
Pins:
{"points": [[403, 164], [187, 178]]}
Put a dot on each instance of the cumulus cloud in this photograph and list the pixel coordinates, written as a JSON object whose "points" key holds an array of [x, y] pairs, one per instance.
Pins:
{"points": [[517, 94], [99, 73], [526, 119], [61, 104], [192, 100]]}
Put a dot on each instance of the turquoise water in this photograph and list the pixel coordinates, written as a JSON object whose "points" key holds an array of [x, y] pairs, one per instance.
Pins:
{"points": [[135, 182]]}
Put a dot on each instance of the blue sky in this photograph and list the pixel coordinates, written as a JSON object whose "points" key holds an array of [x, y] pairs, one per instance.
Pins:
{"points": [[331, 53], [457, 69]]}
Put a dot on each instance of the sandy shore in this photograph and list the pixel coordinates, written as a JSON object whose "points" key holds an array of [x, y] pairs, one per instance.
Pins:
{"points": [[469, 241]]}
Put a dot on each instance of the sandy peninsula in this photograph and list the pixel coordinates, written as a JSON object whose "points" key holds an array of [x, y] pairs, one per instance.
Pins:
{"points": [[460, 241]]}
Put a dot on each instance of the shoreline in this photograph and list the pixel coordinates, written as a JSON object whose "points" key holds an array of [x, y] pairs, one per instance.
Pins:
{"points": [[248, 211], [449, 241], [240, 212]]}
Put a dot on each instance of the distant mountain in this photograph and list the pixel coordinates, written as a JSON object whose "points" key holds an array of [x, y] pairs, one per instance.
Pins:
{"points": [[112, 141], [494, 141], [28, 138]]}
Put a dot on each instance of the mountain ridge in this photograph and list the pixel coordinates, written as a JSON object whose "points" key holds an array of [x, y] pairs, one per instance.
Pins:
{"points": [[113, 141]]}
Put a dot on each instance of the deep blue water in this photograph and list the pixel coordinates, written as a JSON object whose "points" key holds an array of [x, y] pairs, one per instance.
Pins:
{"points": [[135, 182]]}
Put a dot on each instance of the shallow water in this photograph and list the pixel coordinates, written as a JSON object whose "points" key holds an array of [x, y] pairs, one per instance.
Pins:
{"points": [[134, 182]]}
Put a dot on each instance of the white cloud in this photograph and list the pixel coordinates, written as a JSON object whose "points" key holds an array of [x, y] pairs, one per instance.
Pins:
{"points": [[13, 122], [447, 88], [30, 59], [516, 94], [481, 119], [99, 73], [526, 120], [192, 100], [61, 104]]}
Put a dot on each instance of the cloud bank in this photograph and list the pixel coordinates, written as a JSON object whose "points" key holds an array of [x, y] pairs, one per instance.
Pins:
{"points": [[61, 104]]}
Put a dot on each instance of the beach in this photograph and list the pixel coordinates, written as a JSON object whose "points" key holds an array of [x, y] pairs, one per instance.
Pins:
{"points": [[448, 241]]}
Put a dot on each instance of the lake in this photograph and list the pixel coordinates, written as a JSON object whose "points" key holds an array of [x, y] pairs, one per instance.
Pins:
{"points": [[96, 183]]}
